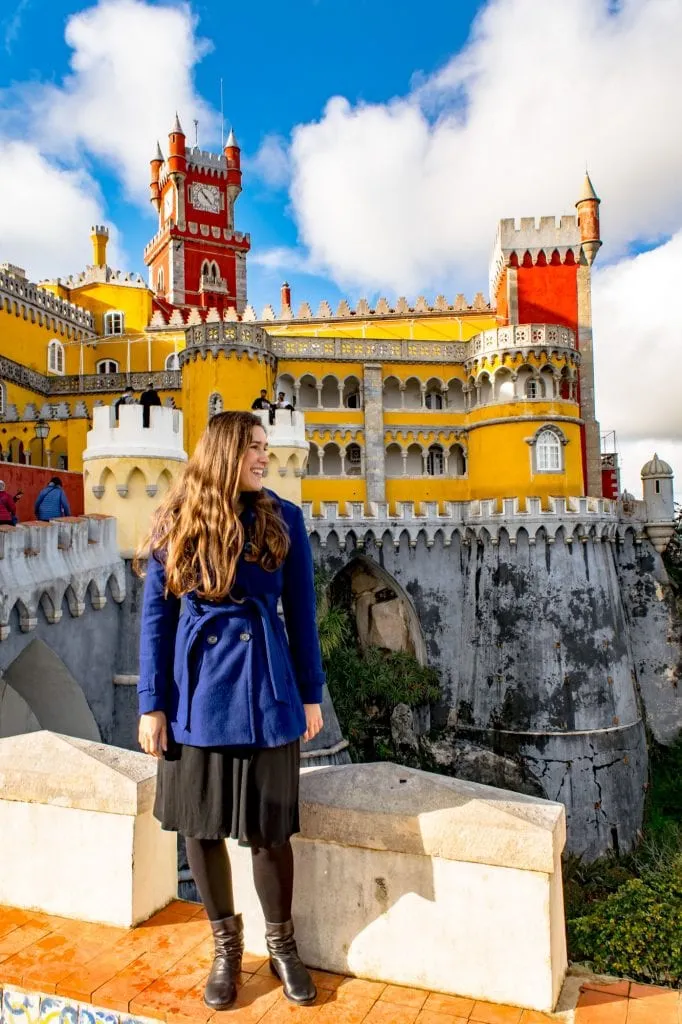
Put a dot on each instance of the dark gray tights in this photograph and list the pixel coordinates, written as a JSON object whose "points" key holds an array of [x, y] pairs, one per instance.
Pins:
{"points": [[273, 876]]}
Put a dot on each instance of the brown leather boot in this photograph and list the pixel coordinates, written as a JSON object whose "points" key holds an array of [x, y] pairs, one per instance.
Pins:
{"points": [[286, 964], [221, 987]]}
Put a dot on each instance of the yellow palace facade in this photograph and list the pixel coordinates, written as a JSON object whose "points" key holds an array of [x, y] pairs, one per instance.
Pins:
{"points": [[448, 401]]}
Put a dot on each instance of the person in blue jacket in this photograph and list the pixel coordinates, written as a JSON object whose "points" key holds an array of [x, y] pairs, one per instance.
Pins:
{"points": [[52, 501], [225, 694]]}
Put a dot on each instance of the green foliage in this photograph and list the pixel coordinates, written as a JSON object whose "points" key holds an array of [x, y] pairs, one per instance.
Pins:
{"points": [[365, 688], [637, 930], [625, 913]]}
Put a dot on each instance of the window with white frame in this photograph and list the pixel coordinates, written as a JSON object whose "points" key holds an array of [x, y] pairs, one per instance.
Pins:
{"points": [[532, 388], [172, 361], [55, 357], [548, 452], [107, 366], [114, 322], [3, 399], [159, 281]]}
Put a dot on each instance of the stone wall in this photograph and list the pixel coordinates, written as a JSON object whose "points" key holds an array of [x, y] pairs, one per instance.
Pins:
{"points": [[546, 650]]}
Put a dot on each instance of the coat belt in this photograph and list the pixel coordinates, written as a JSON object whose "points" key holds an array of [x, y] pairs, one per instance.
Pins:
{"points": [[202, 616]]}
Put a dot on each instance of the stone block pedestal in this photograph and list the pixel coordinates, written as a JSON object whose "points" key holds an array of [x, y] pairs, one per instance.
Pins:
{"points": [[78, 836], [418, 879]]}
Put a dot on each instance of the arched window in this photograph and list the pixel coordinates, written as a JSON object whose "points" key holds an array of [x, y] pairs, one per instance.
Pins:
{"points": [[548, 452], [215, 404], [435, 463], [107, 366], [159, 281], [55, 357], [3, 399], [533, 388], [172, 362], [114, 322]]}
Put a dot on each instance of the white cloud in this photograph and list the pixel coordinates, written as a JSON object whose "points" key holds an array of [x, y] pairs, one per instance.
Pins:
{"points": [[405, 196], [131, 70], [271, 162], [285, 258], [638, 344], [46, 214], [12, 24]]}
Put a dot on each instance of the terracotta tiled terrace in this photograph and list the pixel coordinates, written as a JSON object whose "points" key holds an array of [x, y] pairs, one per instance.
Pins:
{"points": [[157, 970]]}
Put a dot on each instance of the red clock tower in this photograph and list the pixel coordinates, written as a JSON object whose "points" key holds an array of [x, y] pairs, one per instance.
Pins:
{"points": [[197, 258]]}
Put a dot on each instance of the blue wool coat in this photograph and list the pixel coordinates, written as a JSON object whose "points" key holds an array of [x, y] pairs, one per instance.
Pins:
{"points": [[224, 672]]}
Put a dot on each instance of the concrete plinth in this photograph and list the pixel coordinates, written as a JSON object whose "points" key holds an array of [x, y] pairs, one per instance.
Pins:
{"points": [[422, 880], [78, 836]]}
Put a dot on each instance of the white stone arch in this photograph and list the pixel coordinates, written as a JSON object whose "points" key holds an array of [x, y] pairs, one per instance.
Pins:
{"points": [[285, 383], [351, 394], [307, 391], [455, 395], [392, 399], [457, 463], [172, 361], [393, 463], [413, 393], [433, 394], [472, 392], [313, 467], [529, 386], [548, 378], [330, 391], [48, 690], [503, 385], [3, 398], [435, 460], [332, 459], [414, 465], [485, 388]]}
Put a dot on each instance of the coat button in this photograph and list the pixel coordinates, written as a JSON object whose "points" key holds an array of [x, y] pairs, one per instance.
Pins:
{"points": [[244, 636], [212, 639]]}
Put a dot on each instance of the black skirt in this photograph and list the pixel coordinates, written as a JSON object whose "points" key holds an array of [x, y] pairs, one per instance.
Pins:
{"points": [[249, 794]]}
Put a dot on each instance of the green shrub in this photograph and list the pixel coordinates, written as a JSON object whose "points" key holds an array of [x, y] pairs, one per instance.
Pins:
{"points": [[637, 930]]}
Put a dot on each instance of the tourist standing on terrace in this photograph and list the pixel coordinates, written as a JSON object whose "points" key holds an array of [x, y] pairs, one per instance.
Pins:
{"points": [[51, 502], [8, 506], [224, 696]]}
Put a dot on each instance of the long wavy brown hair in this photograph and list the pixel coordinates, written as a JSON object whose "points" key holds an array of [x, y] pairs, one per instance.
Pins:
{"points": [[196, 529]]}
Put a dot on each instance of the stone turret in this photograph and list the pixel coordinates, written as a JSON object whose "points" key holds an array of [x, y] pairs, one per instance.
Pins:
{"points": [[288, 452], [128, 467], [657, 487]]}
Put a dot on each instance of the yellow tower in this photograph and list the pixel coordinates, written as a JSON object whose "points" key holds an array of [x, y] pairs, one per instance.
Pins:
{"points": [[127, 468], [225, 365], [99, 239]]}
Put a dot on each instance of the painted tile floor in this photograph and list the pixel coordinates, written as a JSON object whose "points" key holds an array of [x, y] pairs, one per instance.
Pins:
{"points": [[57, 971]]}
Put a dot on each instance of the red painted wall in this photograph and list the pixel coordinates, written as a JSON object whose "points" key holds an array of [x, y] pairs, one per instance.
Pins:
{"points": [[548, 295], [32, 479]]}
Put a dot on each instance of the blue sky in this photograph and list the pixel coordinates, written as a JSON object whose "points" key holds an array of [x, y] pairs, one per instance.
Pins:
{"points": [[381, 143], [279, 64]]}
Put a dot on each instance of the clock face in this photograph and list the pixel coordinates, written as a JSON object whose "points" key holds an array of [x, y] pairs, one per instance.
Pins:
{"points": [[168, 203], [205, 197]]}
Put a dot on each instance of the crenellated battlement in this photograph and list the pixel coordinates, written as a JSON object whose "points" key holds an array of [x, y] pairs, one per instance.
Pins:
{"points": [[128, 438], [568, 519], [554, 239], [104, 275], [41, 564], [19, 296]]}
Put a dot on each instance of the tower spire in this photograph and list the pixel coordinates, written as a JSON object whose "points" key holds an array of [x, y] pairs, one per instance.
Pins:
{"points": [[588, 220]]}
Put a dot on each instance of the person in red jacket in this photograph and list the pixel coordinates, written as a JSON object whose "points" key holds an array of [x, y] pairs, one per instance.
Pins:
{"points": [[8, 506]]}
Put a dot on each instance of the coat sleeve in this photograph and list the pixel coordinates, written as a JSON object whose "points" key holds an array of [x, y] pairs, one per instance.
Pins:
{"points": [[160, 616], [299, 606]]}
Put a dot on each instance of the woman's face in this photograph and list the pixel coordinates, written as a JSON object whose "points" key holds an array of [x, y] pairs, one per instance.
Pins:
{"points": [[255, 462]]}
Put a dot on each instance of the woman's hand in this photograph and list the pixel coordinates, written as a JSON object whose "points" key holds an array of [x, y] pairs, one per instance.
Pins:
{"points": [[152, 734], [313, 721]]}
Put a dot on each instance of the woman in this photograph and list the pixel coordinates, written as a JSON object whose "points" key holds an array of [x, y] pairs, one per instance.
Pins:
{"points": [[224, 696], [8, 506]]}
